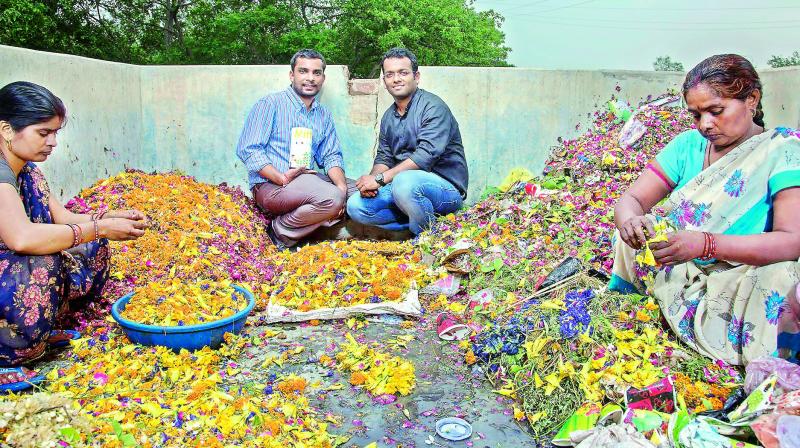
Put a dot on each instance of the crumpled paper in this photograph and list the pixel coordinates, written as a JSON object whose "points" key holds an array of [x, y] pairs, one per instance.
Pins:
{"points": [[700, 434], [768, 428], [612, 436], [787, 373]]}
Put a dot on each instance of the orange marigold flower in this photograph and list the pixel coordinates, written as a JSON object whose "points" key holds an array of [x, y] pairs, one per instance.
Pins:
{"points": [[470, 357], [358, 378], [291, 384]]}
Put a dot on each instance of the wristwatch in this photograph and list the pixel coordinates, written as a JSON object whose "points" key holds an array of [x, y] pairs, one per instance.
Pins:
{"points": [[379, 179]]}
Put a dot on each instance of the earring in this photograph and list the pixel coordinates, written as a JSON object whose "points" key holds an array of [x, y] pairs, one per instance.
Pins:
{"points": [[753, 112]]}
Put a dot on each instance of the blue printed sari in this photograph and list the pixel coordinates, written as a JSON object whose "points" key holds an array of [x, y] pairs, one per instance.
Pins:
{"points": [[727, 310], [35, 290]]}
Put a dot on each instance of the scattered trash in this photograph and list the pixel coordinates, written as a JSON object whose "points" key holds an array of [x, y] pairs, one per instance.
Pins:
{"points": [[568, 268], [612, 436], [787, 374], [699, 434], [448, 286], [453, 428], [448, 328], [659, 396], [584, 419]]}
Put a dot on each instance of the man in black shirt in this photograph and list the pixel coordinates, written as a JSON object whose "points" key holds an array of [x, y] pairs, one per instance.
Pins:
{"points": [[420, 170]]}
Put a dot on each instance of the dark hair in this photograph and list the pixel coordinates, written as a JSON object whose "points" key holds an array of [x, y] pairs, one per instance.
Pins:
{"points": [[399, 53], [308, 54], [25, 103], [730, 76]]}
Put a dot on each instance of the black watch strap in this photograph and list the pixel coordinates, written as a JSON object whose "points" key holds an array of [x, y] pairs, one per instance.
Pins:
{"points": [[379, 179]]}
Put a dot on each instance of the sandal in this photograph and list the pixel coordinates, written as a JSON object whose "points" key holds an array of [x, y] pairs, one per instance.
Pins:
{"points": [[25, 380], [64, 342]]}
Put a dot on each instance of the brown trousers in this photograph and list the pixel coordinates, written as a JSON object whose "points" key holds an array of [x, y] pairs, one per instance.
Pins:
{"points": [[306, 203]]}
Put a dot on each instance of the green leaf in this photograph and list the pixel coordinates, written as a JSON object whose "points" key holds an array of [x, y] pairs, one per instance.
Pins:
{"points": [[116, 426], [70, 434], [127, 440], [497, 264]]}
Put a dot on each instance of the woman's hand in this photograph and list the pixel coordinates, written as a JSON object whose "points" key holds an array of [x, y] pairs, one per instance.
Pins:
{"points": [[682, 246], [635, 231], [121, 229], [134, 215]]}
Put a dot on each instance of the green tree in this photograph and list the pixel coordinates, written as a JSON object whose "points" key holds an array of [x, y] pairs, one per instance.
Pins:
{"points": [[779, 61], [248, 34], [439, 32], [350, 32], [79, 27], [666, 64]]}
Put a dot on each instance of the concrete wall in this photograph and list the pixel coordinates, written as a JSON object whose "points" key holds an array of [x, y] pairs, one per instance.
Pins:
{"points": [[192, 116], [103, 131], [189, 117]]}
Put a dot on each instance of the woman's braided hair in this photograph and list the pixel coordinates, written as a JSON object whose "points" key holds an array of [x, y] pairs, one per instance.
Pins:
{"points": [[730, 76]]}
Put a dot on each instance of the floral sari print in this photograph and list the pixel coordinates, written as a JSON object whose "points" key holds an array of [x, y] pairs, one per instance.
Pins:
{"points": [[35, 290], [728, 311]]}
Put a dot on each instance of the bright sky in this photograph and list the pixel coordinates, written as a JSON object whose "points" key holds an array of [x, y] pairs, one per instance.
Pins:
{"points": [[631, 34]]}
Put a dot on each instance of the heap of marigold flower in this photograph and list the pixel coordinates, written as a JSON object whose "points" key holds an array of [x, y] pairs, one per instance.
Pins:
{"points": [[345, 273], [168, 399], [199, 232], [699, 395], [379, 373]]}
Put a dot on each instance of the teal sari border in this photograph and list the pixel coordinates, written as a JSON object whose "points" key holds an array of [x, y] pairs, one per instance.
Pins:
{"points": [[784, 180], [754, 221], [620, 285]]}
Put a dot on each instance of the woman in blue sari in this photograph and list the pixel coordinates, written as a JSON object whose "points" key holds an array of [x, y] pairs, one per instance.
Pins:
{"points": [[724, 267], [48, 255]]}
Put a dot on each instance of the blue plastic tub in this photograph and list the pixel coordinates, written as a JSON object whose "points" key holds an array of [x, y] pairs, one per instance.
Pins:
{"points": [[190, 337]]}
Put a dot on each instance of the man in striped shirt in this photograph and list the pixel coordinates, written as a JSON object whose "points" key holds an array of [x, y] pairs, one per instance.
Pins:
{"points": [[282, 133]]}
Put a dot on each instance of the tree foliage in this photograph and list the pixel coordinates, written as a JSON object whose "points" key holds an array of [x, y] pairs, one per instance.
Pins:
{"points": [[350, 32], [779, 61], [666, 64]]}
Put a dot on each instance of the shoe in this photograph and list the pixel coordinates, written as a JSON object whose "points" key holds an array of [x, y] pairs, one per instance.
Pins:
{"points": [[275, 240], [31, 378]]}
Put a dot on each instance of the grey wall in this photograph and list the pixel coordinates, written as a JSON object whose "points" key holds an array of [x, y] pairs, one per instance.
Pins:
{"points": [[103, 99], [189, 117]]}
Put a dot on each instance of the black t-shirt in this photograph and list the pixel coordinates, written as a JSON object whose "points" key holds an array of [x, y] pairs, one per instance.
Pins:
{"points": [[7, 175], [428, 134]]}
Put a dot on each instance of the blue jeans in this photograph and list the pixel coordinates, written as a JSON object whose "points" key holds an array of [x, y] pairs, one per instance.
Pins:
{"points": [[410, 202]]}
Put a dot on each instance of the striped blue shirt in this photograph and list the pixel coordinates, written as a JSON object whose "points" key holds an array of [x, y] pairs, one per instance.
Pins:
{"points": [[267, 134]]}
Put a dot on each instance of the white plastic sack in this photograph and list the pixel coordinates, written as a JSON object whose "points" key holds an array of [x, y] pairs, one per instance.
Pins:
{"points": [[409, 307]]}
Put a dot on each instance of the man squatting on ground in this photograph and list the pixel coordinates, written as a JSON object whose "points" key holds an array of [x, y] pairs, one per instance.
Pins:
{"points": [[300, 199], [420, 170]]}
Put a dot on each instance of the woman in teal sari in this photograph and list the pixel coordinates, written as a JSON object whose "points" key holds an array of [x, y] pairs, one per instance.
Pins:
{"points": [[49, 256], [726, 274]]}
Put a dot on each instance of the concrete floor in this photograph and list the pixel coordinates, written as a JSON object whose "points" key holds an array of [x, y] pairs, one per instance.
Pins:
{"points": [[446, 387]]}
